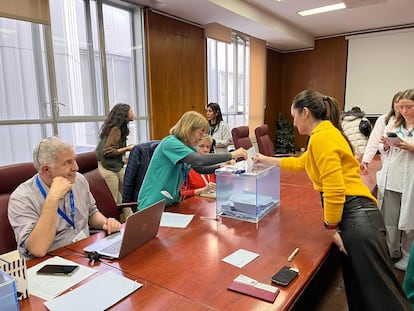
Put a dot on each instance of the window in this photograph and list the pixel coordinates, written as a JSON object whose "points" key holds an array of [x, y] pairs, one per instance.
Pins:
{"points": [[64, 78], [228, 78], [24, 89]]}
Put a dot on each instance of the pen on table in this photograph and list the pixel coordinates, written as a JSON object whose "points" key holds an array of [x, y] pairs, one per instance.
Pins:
{"points": [[208, 218], [293, 255]]}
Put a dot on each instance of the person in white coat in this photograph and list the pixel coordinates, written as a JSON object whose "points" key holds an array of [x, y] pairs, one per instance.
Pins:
{"points": [[374, 144], [219, 130], [374, 140], [398, 201]]}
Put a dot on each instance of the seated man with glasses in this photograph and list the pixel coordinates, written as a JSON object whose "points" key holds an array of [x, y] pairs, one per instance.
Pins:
{"points": [[55, 207]]}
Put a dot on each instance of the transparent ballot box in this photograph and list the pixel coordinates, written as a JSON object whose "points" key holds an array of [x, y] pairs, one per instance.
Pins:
{"points": [[247, 195]]}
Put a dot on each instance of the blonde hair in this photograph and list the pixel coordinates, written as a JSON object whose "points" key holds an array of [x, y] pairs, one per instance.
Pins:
{"points": [[189, 122], [207, 138]]}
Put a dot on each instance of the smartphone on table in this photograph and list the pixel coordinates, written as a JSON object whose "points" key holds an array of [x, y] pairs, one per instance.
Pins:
{"points": [[57, 270], [285, 275]]}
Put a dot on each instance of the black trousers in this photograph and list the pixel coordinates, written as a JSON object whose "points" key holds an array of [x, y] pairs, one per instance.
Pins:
{"points": [[370, 282]]}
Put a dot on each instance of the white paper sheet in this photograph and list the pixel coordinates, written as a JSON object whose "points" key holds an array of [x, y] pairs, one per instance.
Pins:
{"points": [[240, 258], [49, 286], [98, 294], [175, 220]]}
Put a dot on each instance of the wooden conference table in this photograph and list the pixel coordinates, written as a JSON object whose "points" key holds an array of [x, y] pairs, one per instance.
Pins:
{"points": [[183, 268]]}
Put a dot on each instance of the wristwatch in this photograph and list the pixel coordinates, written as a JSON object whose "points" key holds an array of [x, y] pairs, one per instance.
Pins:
{"points": [[330, 226]]}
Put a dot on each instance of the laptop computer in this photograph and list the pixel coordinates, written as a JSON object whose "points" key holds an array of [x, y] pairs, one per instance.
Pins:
{"points": [[140, 227]]}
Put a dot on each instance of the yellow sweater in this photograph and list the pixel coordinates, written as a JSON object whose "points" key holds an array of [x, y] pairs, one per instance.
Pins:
{"points": [[332, 168]]}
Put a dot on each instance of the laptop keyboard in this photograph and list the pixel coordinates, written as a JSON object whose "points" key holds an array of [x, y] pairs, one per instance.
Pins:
{"points": [[113, 248]]}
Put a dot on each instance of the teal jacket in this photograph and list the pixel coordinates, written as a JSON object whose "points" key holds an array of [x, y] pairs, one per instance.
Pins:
{"points": [[408, 283]]}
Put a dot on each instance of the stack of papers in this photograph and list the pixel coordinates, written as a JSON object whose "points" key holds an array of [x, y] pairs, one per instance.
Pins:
{"points": [[49, 286], [108, 287]]}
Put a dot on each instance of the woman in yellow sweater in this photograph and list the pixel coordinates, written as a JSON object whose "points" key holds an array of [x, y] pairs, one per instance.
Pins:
{"points": [[351, 215]]}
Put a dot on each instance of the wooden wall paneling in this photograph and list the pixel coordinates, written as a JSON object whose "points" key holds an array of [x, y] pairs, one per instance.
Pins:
{"points": [[273, 90], [176, 73], [322, 69], [294, 80], [327, 68]]}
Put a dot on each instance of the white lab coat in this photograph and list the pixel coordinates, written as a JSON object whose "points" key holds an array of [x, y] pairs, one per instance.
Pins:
{"points": [[397, 175], [374, 140]]}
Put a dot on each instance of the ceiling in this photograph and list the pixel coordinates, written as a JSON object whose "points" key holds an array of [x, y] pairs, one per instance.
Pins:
{"points": [[277, 22]]}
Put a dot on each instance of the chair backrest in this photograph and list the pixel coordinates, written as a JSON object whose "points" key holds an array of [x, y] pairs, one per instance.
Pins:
{"points": [[11, 176], [264, 143], [88, 167], [241, 137], [102, 194], [87, 161], [138, 161]]}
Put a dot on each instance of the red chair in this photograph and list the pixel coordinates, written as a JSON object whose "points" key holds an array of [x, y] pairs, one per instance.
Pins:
{"points": [[88, 166], [87, 161], [11, 176], [264, 143], [241, 137]]}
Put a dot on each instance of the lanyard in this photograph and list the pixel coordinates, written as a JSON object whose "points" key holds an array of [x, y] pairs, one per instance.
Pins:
{"points": [[60, 212], [184, 171], [401, 132], [206, 181]]}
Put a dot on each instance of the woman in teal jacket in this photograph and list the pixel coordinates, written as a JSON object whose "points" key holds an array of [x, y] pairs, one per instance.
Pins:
{"points": [[175, 156]]}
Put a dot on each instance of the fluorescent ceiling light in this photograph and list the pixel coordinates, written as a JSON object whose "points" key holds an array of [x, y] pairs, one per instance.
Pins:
{"points": [[323, 9]]}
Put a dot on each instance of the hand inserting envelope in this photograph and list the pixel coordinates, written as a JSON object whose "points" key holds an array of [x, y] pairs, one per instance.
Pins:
{"points": [[243, 166], [251, 153]]}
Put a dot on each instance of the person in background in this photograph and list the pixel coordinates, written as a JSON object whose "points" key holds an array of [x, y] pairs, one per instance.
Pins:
{"points": [[351, 121], [219, 130], [197, 184], [175, 156], [374, 141], [55, 207], [398, 201], [350, 212], [112, 148]]}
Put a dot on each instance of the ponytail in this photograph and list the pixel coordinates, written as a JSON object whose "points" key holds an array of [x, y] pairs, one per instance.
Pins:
{"points": [[335, 117], [321, 107]]}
